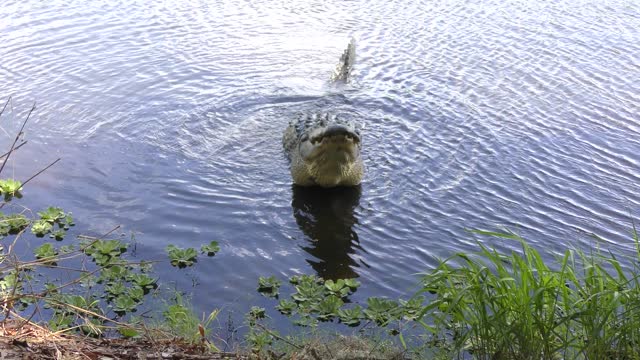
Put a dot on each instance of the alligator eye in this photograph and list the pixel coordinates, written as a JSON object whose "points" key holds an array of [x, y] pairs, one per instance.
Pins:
{"points": [[304, 138]]}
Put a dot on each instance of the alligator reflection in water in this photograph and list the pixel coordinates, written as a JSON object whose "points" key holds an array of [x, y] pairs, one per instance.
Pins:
{"points": [[327, 218]]}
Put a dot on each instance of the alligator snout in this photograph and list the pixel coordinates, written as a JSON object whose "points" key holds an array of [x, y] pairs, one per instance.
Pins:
{"points": [[336, 130]]}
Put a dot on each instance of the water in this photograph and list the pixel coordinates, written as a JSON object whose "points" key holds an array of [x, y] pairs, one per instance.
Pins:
{"points": [[169, 116]]}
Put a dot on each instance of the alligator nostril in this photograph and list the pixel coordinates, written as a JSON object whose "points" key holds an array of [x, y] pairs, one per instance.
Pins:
{"points": [[340, 130]]}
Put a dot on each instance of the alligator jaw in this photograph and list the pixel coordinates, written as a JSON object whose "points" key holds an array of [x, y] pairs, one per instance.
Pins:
{"points": [[334, 132], [335, 144], [328, 156]]}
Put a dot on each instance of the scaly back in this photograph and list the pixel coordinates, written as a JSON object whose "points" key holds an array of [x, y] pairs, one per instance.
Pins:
{"points": [[343, 70]]}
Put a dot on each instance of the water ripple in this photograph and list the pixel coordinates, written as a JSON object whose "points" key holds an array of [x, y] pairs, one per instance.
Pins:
{"points": [[476, 115]]}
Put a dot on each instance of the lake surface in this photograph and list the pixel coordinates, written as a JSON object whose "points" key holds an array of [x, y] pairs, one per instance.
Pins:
{"points": [[168, 117]]}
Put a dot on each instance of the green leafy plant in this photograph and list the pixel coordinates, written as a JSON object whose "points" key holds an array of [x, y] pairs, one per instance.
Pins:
{"points": [[113, 273], [210, 249], [268, 286], [10, 188], [181, 258], [124, 304], [128, 332], [40, 228], [351, 317], [257, 312], [51, 215], [353, 284], [103, 252], [328, 308], [382, 311], [337, 288], [182, 322], [309, 292], [58, 235], [46, 251], [115, 289], [70, 309], [412, 308], [286, 307], [136, 293], [316, 300], [144, 282], [48, 218], [12, 223], [305, 279]]}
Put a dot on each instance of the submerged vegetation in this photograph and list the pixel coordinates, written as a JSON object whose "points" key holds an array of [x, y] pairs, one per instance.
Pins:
{"points": [[485, 305]]}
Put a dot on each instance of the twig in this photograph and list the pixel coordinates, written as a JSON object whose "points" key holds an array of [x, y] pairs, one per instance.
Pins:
{"points": [[35, 311], [38, 173], [8, 301], [16, 148], [17, 137], [20, 317], [77, 309], [326, 346], [15, 239], [5, 105], [279, 337], [101, 237]]}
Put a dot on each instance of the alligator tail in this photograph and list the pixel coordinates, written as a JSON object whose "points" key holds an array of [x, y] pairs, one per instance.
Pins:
{"points": [[343, 70]]}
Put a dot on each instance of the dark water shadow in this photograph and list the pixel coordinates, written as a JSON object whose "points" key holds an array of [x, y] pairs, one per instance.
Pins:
{"points": [[327, 217]]}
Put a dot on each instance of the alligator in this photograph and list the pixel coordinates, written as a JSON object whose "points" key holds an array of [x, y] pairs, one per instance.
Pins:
{"points": [[324, 148]]}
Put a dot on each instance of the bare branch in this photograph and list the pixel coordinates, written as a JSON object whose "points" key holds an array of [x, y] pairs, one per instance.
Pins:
{"points": [[17, 138], [14, 149], [5, 105], [39, 172]]}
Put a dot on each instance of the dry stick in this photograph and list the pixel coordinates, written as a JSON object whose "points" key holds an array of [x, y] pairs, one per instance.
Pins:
{"points": [[38, 173], [6, 305], [43, 262], [8, 301], [326, 346], [79, 310], [46, 331], [77, 254], [69, 256], [16, 148], [69, 283], [29, 179], [5, 105], [14, 242], [13, 296], [17, 138], [86, 274], [101, 237], [36, 309], [279, 337]]}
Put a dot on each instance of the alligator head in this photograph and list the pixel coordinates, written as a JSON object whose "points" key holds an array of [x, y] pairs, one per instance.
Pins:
{"points": [[324, 150]]}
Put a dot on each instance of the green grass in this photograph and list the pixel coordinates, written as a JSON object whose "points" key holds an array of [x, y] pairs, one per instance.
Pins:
{"points": [[516, 306]]}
